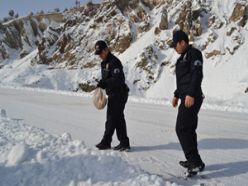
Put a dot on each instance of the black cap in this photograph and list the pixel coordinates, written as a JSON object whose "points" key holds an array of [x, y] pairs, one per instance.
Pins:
{"points": [[179, 36], [100, 46]]}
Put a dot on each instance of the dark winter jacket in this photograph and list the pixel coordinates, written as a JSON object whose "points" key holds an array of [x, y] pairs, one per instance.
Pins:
{"points": [[113, 76], [189, 73]]}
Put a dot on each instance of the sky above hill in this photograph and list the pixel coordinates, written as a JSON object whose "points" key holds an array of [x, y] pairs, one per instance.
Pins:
{"points": [[24, 7]]}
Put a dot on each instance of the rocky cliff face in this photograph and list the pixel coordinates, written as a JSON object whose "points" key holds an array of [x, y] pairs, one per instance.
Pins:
{"points": [[23, 35], [138, 31]]}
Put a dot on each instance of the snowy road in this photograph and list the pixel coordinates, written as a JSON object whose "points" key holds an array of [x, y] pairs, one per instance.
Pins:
{"points": [[223, 136]]}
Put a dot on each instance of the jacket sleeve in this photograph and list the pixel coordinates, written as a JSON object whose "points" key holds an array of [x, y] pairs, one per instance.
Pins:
{"points": [[176, 93], [196, 70], [117, 77]]}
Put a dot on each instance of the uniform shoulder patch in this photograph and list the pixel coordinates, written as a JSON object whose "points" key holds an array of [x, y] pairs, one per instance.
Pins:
{"points": [[116, 71], [198, 63]]}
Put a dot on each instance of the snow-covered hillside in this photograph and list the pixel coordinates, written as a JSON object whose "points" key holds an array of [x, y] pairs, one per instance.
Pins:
{"points": [[56, 51]]}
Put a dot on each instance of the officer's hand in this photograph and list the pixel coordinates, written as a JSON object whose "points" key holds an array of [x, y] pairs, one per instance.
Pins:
{"points": [[101, 84], [189, 101], [175, 102]]}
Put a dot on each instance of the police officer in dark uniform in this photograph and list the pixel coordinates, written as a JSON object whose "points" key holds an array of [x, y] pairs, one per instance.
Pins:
{"points": [[189, 75], [113, 81]]}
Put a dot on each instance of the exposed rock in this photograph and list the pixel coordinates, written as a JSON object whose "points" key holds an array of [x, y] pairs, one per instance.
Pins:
{"points": [[26, 32], [196, 29], [211, 38], [143, 27], [157, 31], [3, 52], [239, 14], [195, 14], [12, 38], [189, 19], [165, 63], [90, 9], [136, 81], [53, 33], [55, 17], [43, 58], [42, 26], [19, 26], [1, 26], [152, 3], [89, 65], [213, 53], [163, 25], [52, 36], [169, 42], [149, 67], [122, 43], [237, 41], [131, 9], [34, 27], [215, 22], [230, 31], [147, 59], [141, 14], [86, 87], [185, 18], [70, 23], [63, 42], [14, 33], [138, 16], [122, 4], [232, 51], [23, 53]]}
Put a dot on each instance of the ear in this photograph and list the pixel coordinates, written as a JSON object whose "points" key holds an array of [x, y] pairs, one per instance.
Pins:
{"points": [[104, 51], [182, 43]]}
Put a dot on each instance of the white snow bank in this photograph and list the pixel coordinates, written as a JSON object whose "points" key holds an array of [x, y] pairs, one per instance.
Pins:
{"points": [[31, 156], [17, 154]]}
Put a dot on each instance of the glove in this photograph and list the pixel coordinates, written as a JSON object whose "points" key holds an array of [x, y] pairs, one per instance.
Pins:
{"points": [[101, 84]]}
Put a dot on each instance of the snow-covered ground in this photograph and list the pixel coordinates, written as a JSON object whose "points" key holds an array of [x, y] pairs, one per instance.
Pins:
{"points": [[31, 156]]}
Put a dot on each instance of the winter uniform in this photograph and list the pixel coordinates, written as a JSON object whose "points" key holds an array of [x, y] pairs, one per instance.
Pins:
{"points": [[189, 75], [113, 80]]}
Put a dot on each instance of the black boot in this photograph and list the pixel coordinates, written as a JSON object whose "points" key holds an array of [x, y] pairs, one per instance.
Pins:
{"points": [[103, 146], [121, 147], [184, 164], [192, 166], [196, 167]]}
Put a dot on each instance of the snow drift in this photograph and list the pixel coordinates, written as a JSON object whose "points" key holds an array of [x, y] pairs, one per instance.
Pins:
{"points": [[30, 156]]}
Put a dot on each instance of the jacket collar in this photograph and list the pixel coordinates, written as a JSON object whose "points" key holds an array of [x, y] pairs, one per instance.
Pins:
{"points": [[184, 54], [108, 57]]}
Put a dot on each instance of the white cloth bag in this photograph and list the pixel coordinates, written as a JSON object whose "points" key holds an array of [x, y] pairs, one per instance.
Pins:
{"points": [[99, 98]]}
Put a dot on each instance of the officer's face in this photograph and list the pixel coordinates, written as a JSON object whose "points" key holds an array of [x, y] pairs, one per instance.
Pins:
{"points": [[104, 54], [181, 47]]}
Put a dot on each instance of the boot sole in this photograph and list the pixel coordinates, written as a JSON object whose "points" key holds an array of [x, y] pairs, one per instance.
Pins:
{"points": [[186, 167]]}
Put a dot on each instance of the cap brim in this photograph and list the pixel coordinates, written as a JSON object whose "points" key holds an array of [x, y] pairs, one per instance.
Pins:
{"points": [[98, 52], [172, 45]]}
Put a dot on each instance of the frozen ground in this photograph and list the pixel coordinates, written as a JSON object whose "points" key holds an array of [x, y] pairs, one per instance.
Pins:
{"points": [[30, 156], [33, 156]]}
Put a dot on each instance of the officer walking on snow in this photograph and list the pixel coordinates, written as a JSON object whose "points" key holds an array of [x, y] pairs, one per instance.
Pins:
{"points": [[189, 75], [113, 81]]}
